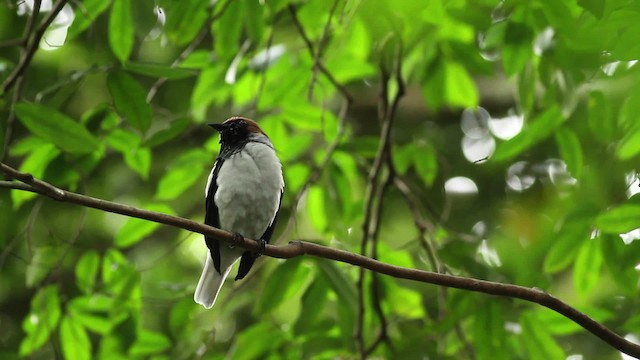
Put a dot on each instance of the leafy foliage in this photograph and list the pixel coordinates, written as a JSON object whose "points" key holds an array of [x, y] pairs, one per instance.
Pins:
{"points": [[118, 108]]}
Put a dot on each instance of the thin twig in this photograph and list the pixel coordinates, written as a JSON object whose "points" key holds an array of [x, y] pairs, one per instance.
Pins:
{"points": [[318, 51], [300, 248], [32, 47], [28, 29], [376, 296], [319, 65]]}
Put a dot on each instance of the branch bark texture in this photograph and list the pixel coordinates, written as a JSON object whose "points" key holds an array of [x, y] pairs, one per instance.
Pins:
{"points": [[299, 248]]}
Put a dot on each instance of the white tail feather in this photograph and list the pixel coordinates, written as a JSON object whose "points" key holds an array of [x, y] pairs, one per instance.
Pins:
{"points": [[209, 284]]}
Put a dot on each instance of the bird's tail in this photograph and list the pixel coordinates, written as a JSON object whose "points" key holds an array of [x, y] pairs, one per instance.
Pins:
{"points": [[209, 284]]}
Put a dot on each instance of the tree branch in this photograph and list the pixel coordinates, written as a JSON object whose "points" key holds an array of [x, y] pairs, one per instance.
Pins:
{"points": [[299, 248], [32, 47], [318, 64]]}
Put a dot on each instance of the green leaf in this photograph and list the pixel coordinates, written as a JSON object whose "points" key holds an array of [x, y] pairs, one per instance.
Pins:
{"points": [[558, 324], [123, 141], [518, 47], [95, 312], [621, 260], [177, 180], [426, 162], [49, 124], [313, 305], [316, 208], [139, 160], [129, 99], [254, 20], [285, 280], [135, 230], [74, 340], [230, 25], [253, 344], [208, 90], [149, 342], [629, 146], [185, 19], [565, 248], [121, 29], [175, 129], [459, 88], [35, 164], [296, 175], [570, 150], [538, 343], [85, 17], [596, 7], [620, 219], [159, 70], [600, 118], [42, 319], [586, 270], [44, 258], [339, 281], [87, 270], [538, 129], [403, 156], [489, 332]]}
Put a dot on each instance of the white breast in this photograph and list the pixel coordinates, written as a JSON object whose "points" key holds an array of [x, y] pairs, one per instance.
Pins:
{"points": [[249, 186]]}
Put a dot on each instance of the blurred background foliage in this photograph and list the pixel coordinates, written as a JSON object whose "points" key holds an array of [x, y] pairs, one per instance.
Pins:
{"points": [[513, 157]]}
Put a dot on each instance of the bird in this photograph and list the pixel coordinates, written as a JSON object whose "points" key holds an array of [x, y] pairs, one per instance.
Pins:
{"points": [[243, 195]]}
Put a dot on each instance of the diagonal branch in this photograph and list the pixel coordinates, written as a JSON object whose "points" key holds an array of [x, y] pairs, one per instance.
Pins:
{"points": [[300, 248], [32, 47], [317, 63]]}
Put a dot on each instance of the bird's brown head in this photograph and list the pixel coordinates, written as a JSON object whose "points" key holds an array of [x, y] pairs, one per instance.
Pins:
{"points": [[236, 130]]}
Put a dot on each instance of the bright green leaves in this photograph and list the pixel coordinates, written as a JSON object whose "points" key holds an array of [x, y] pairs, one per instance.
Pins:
{"points": [[570, 150], [620, 219], [449, 84], [621, 260], [149, 343], [185, 171], [91, 9], [517, 49], [87, 271], [420, 155], [129, 99], [289, 278], [185, 19], [537, 340], [137, 157], [252, 343], [489, 331], [42, 319], [121, 30], [538, 129], [587, 268], [159, 70], [74, 340], [56, 128]]}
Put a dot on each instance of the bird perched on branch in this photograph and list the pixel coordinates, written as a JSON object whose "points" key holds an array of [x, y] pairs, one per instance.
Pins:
{"points": [[243, 193]]}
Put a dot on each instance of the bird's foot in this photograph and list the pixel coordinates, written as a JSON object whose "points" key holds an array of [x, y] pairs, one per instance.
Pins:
{"points": [[262, 247], [236, 240]]}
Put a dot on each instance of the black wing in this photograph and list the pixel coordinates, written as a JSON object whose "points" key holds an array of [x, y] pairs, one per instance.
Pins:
{"points": [[212, 217], [248, 257]]}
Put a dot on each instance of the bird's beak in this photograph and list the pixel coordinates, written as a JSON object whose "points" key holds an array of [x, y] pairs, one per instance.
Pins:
{"points": [[218, 127]]}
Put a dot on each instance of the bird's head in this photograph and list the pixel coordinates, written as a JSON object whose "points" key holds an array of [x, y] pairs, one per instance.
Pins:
{"points": [[237, 130]]}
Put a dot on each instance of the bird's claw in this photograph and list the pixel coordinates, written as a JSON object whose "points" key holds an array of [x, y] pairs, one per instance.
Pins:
{"points": [[236, 240], [261, 249]]}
